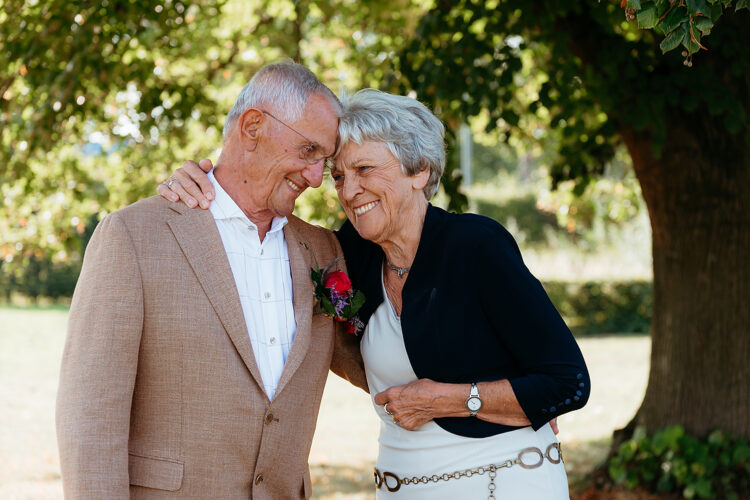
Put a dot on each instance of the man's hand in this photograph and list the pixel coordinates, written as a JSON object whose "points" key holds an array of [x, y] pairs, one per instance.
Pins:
{"points": [[190, 184]]}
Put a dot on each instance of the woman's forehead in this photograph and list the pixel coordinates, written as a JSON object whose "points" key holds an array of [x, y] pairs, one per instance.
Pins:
{"points": [[369, 151]]}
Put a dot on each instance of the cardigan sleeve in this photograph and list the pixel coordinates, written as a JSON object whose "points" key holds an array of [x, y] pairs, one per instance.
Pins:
{"points": [[554, 377]]}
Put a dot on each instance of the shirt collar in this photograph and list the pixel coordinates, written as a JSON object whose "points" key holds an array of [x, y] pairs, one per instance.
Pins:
{"points": [[224, 207]]}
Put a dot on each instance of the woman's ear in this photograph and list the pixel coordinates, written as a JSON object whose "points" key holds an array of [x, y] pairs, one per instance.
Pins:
{"points": [[419, 180], [249, 124]]}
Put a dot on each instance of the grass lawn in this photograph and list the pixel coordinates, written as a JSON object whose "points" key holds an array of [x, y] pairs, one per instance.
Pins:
{"points": [[345, 445]]}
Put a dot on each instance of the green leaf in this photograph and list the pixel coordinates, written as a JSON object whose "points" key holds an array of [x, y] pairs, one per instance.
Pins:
{"points": [[742, 4], [647, 18], [634, 4], [698, 7], [704, 24], [675, 18], [688, 42], [672, 40], [328, 307]]}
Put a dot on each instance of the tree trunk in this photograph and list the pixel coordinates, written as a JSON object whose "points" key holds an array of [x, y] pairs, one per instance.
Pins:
{"points": [[698, 197]]}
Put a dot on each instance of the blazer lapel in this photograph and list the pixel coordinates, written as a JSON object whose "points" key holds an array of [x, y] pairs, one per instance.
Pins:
{"points": [[302, 290], [199, 238]]}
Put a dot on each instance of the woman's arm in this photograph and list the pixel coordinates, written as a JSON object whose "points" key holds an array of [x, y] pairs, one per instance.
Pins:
{"points": [[418, 402], [189, 184]]}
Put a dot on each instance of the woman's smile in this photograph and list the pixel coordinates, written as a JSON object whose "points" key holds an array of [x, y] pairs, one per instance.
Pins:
{"points": [[363, 209]]}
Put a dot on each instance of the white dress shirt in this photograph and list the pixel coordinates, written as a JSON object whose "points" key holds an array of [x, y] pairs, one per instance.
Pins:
{"points": [[264, 282]]}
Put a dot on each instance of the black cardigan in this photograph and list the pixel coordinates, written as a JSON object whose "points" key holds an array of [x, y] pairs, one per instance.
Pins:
{"points": [[473, 312]]}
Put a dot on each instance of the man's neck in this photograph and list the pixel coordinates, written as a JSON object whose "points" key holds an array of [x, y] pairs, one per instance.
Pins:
{"points": [[240, 190]]}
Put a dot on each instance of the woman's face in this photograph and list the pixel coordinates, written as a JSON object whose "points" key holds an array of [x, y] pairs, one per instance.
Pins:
{"points": [[376, 195]]}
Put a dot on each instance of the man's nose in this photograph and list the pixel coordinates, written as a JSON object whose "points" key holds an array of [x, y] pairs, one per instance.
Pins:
{"points": [[313, 174]]}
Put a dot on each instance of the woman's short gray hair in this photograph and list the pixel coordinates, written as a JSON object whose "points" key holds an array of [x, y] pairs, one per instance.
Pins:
{"points": [[282, 88], [414, 135]]}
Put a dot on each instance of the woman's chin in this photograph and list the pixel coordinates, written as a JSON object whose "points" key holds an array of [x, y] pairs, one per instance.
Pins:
{"points": [[366, 230]]}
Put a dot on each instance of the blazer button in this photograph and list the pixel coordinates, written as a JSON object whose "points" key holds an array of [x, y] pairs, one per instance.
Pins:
{"points": [[269, 418], [258, 479]]}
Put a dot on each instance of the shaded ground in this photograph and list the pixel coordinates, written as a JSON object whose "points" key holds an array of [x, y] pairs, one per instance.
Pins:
{"points": [[345, 443]]}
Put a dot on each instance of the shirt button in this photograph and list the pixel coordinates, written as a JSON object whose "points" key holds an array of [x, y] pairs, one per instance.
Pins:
{"points": [[269, 418], [267, 295], [261, 251], [258, 479], [273, 340], [251, 228]]}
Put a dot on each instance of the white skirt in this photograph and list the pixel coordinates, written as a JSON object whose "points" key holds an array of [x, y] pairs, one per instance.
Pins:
{"points": [[431, 450]]}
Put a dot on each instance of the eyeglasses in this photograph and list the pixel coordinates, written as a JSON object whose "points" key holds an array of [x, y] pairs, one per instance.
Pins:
{"points": [[312, 152]]}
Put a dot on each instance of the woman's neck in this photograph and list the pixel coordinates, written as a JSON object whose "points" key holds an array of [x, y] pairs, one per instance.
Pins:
{"points": [[401, 248]]}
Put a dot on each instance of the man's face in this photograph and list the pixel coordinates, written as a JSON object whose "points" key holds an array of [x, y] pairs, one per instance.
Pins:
{"points": [[285, 174]]}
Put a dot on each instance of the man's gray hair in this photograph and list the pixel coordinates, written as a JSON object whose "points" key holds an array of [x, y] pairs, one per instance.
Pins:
{"points": [[414, 135], [282, 89]]}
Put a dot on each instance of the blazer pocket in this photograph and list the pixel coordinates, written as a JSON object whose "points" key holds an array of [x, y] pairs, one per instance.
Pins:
{"points": [[157, 473]]}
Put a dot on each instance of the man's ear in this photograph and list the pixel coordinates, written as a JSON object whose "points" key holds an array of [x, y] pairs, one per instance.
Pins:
{"points": [[249, 124]]}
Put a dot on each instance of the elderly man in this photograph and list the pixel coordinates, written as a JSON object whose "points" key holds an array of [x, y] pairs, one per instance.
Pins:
{"points": [[194, 364]]}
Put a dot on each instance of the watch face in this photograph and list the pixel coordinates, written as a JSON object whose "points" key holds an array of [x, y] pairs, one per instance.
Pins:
{"points": [[474, 404]]}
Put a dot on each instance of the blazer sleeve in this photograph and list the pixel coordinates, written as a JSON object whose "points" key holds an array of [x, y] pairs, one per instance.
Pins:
{"points": [[99, 366], [554, 379], [347, 359]]}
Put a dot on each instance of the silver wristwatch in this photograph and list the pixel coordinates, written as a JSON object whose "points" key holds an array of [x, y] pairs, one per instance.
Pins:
{"points": [[474, 402]]}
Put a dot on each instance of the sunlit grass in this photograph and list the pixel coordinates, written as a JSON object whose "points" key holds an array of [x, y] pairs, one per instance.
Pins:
{"points": [[345, 445]]}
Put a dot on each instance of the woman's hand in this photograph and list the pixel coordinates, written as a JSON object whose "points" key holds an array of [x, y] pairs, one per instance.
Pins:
{"points": [[191, 184], [416, 403]]}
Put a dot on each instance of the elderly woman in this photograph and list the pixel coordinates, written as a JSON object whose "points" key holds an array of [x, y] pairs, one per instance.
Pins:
{"points": [[466, 358]]}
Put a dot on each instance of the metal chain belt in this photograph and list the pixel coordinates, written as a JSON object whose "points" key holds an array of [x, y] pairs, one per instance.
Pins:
{"points": [[393, 483]]}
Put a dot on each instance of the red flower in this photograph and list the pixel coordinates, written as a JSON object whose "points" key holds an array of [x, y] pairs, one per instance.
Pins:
{"points": [[338, 281], [351, 327]]}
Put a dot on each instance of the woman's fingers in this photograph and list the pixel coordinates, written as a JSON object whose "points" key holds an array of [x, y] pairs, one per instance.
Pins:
{"points": [[167, 193], [183, 194]]}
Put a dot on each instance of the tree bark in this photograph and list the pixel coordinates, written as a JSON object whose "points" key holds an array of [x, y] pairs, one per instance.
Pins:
{"points": [[698, 198]]}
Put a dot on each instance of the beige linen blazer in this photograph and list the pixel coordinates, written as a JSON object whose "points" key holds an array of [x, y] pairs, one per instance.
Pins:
{"points": [[160, 395]]}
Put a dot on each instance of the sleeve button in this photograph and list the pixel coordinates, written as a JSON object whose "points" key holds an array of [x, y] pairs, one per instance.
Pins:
{"points": [[576, 398], [579, 393], [579, 376], [553, 409], [567, 401], [544, 411], [581, 385]]}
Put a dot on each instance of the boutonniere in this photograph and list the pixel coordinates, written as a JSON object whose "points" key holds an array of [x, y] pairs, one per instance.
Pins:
{"points": [[334, 291]]}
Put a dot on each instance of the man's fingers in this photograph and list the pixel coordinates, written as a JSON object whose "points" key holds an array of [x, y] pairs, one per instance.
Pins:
{"points": [[553, 424]]}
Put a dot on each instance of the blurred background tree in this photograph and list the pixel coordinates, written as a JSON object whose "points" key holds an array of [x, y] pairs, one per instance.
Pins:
{"points": [[589, 82]]}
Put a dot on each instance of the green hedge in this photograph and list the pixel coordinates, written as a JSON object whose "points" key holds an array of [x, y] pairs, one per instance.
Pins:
{"points": [[603, 307], [593, 307]]}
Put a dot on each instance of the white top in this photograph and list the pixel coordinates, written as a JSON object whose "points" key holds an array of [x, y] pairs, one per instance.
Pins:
{"points": [[433, 450], [264, 282]]}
